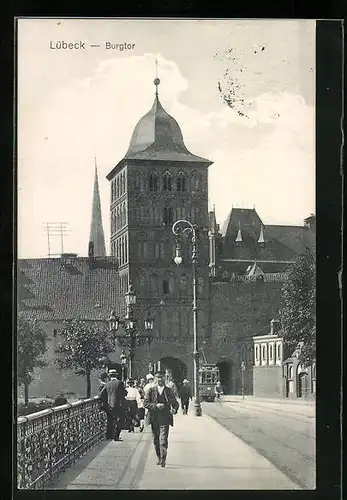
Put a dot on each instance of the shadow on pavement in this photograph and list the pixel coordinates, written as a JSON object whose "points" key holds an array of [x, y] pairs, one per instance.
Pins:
{"points": [[73, 472]]}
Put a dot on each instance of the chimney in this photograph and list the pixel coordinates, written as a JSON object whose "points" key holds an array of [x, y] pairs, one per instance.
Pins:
{"points": [[67, 259], [274, 326], [91, 254]]}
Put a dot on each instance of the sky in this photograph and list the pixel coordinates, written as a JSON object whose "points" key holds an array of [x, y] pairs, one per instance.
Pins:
{"points": [[242, 91]]}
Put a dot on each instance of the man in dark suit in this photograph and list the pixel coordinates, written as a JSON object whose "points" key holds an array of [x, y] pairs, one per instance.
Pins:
{"points": [[162, 405], [113, 394]]}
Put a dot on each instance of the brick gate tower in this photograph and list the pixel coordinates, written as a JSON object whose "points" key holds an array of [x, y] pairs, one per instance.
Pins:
{"points": [[156, 183]]}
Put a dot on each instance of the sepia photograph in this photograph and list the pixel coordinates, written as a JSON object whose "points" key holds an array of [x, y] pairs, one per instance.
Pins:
{"points": [[166, 270]]}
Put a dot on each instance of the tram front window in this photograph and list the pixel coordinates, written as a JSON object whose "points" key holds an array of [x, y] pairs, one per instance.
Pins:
{"points": [[207, 378]]}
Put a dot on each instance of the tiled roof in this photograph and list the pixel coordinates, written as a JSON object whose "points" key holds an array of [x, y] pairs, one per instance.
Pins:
{"points": [[49, 291], [233, 266], [280, 242]]}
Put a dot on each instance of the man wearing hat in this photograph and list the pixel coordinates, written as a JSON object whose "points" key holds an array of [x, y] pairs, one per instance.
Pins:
{"points": [[113, 393], [185, 395], [150, 382], [162, 405]]}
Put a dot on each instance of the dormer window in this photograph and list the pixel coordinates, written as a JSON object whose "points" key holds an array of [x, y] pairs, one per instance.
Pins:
{"points": [[181, 182], [167, 182], [153, 182]]}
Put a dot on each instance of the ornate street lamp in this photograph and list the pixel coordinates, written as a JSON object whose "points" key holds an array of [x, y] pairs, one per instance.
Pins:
{"points": [[179, 228], [123, 362], [132, 338]]}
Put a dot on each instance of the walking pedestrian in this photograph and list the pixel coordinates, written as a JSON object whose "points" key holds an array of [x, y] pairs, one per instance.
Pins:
{"points": [[162, 405], [141, 409], [171, 384], [150, 382], [218, 391], [114, 393], [103, 379], [133, 400], [185, 395]]}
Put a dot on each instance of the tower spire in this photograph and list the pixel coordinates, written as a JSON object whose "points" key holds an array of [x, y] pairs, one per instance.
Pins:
{"points": [[96, 239], [156, 80]]}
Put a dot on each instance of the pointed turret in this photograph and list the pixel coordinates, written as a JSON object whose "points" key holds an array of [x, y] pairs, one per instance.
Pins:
{"points": [[96, 246]]}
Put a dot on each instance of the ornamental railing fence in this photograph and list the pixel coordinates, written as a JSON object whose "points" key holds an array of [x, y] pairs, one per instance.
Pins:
{"points": [[50, 441]]}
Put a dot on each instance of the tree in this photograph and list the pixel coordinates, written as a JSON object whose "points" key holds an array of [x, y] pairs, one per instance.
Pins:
{"points": [[83, 348], [298, 315], [31, 346]]}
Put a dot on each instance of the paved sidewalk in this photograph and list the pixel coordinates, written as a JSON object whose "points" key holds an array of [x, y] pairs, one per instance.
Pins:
{"points": [[202, 455], [280, 401]]}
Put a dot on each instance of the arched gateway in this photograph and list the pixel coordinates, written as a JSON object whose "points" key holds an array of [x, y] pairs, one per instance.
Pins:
{"points": [[175, 367]]}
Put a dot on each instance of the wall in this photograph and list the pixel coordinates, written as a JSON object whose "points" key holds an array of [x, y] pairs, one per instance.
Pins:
{"points": [[267, 381], [50, 381], [238, 311]]}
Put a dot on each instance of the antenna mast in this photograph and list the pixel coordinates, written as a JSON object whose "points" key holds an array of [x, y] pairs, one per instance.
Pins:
{"points": [[53, 229]]}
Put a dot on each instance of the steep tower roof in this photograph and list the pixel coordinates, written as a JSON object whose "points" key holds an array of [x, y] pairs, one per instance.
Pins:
{"points": [[157, 136], [96, 238]]}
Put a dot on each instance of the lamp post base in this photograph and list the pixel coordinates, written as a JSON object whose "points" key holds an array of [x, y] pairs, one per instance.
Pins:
{"points": [[197, 408]]}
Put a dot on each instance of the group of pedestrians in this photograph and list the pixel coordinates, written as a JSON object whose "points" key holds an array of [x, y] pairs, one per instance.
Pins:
{"points": [[152, 402]]}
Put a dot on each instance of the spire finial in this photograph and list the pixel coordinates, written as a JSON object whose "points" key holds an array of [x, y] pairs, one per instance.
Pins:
{"points": [[156, 79]]}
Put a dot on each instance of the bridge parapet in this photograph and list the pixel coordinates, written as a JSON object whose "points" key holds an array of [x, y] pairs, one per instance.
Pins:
{"points": [[50, 441]]}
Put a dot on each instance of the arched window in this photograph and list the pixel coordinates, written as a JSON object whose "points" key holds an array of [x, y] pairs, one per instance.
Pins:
{"points": [[167, 181], [180, 213], [165, 287], [125, 181], [126, 248], [194, 214], [185, 323], [195, 182], [157, 250], [172, 284], [139, 182], [142, 214], [175, 319], [200, 286], [122, 184], [181, 182], [153, 181], [152, 215], [162, 249], [117, 219], [167, 216], [139, 249], [184, 284]]}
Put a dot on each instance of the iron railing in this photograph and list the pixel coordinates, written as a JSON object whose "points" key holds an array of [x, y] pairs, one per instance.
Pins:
{"points": [[50, 441]]}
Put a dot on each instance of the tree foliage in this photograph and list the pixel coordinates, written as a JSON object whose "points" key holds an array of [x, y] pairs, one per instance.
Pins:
{"points": [[298, 315], [83, 348], [31, 346]]}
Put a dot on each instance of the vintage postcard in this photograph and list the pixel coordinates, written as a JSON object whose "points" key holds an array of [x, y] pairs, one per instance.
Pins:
{"points": [[166, 333]]}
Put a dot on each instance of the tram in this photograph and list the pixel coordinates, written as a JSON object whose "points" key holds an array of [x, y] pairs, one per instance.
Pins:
{"points": [[208, 377]]}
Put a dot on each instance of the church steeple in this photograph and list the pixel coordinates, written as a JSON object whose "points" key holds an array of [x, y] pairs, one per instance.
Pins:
{"points": [[96, 246]]}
